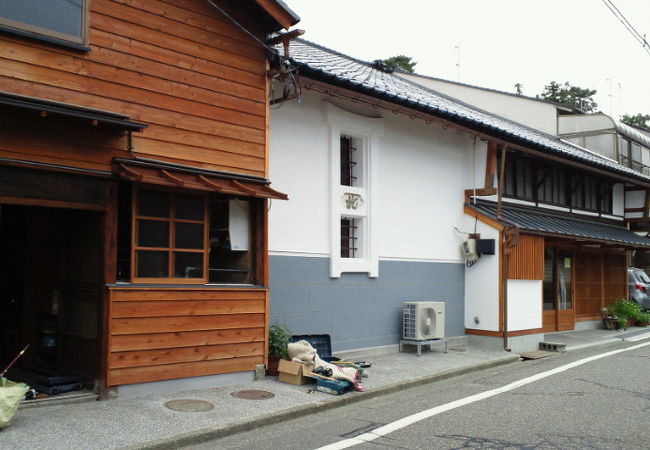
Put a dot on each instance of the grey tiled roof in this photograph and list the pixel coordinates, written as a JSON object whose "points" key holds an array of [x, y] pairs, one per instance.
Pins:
{"points": [[318, 62], [557, 224]]}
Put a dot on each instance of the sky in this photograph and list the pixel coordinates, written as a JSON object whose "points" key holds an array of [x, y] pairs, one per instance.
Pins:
{"points": [[498, 42]]}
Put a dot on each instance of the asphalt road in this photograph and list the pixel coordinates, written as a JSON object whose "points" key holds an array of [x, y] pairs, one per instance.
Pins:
{"points": [[600, 404]]}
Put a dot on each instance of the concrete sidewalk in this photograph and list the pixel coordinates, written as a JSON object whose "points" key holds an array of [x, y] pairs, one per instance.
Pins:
{"points": [[146, 422]]}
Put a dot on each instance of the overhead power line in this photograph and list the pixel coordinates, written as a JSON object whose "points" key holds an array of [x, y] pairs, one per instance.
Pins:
{"points": [[628, 26]]}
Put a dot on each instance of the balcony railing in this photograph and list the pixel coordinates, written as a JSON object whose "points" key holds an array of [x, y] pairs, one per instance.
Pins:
{"points": [[634, 165]]}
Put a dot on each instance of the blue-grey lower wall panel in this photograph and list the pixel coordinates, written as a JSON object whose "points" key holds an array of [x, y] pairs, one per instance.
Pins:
{"points": [[358, 311]]}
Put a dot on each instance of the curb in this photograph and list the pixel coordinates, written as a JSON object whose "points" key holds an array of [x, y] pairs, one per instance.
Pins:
{"points": [[207, 434]]}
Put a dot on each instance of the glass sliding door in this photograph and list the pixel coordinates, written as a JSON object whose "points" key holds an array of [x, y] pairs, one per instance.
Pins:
{"points": [[558, 290]]}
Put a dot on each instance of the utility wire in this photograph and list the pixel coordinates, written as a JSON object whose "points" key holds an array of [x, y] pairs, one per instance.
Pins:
{"points": [[628, 26]]}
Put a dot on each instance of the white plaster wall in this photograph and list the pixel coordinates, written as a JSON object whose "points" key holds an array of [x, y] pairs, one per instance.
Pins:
{"points": [[535, 114], [618, 199], [524, 304], [420, 182], [475, 165], [482, 281], [299, 167], [634, 199], [578, 123], [422, 170]]}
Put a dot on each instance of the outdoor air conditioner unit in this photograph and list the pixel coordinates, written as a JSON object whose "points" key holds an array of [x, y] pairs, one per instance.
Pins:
{"points": [[424, 320]]}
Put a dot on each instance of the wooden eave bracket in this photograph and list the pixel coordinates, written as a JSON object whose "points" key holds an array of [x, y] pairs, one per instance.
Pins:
{"points": [[172, 178], [285, 39], [130, 173]]}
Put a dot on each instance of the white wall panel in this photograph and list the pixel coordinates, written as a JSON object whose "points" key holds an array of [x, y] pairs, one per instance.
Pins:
{"points": [[481, 281], [299, 167], [524, 304]]}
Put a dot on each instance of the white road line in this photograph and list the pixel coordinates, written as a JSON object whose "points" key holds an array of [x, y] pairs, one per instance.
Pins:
{"points": [[638, 337], [410, 420]]}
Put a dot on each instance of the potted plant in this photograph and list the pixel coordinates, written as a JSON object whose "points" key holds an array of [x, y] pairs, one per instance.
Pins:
{"points": [[642, 319], [625, 310], [278, 347]]}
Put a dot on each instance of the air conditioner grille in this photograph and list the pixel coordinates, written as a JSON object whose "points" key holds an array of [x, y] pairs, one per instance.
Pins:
{"points": [[410, 321]]}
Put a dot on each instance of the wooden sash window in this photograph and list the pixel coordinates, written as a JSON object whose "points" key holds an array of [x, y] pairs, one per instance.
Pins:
{"points": [[169, 235]]}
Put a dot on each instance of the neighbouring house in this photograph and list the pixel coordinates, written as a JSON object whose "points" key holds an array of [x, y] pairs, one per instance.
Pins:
{"points": [[388, 178], [597, 132], [134, 188], [534, 112]]}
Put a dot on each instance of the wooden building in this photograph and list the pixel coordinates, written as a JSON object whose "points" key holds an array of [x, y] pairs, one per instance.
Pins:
{"points": [[133, 186]]}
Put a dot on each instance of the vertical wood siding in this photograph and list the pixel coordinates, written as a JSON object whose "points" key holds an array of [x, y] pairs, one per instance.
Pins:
{"points": [[196, 80], [527, 259], [589, 283], [615, 277], [165, 333]]}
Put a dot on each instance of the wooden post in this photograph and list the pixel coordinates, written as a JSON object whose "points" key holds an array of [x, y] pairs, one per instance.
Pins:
{"points": [[502, 171]]}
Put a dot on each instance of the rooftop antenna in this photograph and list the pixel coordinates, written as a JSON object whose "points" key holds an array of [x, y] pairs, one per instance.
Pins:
{"points": [[457, 47], [611, 97]]}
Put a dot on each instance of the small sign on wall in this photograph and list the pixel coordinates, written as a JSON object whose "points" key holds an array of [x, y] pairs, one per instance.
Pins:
{"points": [[238, 225]]}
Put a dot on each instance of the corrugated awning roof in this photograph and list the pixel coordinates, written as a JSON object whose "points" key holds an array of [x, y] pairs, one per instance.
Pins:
{"points": [[98, 116], [173, 175], [556, 224]]}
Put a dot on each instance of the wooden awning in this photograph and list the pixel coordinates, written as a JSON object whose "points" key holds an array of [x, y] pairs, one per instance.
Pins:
{"points": [[171, 175]]}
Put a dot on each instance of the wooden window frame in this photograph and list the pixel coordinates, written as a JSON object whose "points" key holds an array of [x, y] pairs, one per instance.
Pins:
{"points": [[171, 248], [46, 34], [529, 177], [574, 185]]}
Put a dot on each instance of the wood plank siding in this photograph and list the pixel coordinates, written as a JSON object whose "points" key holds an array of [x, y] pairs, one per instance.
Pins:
{"points": [[589, 283], [164, 333], [600, 278], [615, 277], [196, 79], [527, 259]]}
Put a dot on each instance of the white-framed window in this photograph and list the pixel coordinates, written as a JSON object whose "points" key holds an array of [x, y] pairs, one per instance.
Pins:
{"points": [[353, 177]]}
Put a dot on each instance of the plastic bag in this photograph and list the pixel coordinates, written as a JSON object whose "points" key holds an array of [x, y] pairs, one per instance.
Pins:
{"points": [[11, 394]]}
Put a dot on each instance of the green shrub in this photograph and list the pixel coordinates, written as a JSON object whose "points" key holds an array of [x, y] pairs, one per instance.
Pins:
{"points": [[624, 309], [279, 341]]}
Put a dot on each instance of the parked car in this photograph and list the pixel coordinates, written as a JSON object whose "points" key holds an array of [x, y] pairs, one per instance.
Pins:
{"points": [[638, 284]]}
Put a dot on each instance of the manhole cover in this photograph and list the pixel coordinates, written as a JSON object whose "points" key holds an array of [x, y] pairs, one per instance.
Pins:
{"points": [[186, 405], [253, 395]]}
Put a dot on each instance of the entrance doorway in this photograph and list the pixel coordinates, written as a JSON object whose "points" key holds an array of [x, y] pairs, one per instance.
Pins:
{"points": [[51, 291], [558, 313]]}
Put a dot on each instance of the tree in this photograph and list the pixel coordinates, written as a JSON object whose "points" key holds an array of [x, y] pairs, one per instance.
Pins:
{"points": [[574, 96], [637, 120], [519, 89], [403, 62]]}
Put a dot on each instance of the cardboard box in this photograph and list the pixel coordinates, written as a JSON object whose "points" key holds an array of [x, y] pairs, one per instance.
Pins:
{"points": [[294, 373]]}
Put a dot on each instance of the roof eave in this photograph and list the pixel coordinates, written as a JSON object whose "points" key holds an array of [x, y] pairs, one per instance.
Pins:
{"points": [[280, 12], [490, 132]]}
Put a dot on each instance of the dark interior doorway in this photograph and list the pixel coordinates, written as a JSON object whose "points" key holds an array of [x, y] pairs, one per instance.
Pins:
{"points": [[51, 281]]}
